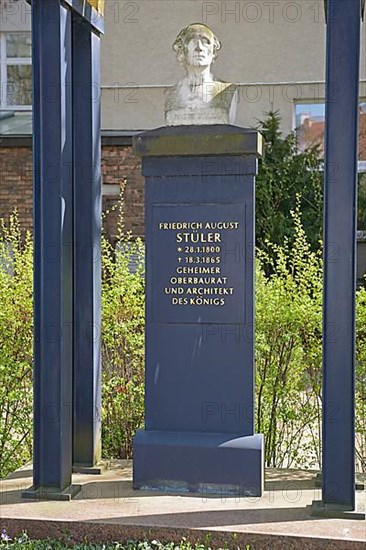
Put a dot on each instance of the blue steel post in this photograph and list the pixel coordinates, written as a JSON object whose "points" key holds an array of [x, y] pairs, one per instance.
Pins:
{"points": [[343, 57], [52, 113], [87, 233]]}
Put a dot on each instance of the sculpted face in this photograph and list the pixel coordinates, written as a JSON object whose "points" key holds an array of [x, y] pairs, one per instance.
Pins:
{"points": [[196, 46], [199, 49]]}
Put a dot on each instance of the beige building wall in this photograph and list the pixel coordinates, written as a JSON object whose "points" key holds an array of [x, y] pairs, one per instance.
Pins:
{"points": [[15, 16], [274, 49]]}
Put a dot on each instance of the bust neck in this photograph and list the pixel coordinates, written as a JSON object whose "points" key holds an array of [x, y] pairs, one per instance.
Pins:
{"points": [[198, 75]]}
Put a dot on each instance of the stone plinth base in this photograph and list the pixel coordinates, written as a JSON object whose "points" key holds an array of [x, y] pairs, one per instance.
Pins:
{"points": [[205, 463], [319, 509], [97, 469], [52, 493]]}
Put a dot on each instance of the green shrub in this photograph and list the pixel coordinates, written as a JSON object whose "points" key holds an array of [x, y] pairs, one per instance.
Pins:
{"points": [[123, 298], [16, 340], [289, 354], [122, 345], [360, 381], [288, 351]]}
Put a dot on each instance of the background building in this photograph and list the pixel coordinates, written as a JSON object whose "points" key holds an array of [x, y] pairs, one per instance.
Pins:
{"points": [[274, 50]]}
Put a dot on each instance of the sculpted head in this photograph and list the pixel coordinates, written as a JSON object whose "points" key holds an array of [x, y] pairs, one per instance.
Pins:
{"points": [[196, 46]]}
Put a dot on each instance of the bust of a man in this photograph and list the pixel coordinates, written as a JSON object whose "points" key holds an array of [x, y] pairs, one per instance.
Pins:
{"points": [[199, 98]]}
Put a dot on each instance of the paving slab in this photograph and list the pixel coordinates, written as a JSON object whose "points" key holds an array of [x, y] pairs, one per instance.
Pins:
{"points": [[108, 509]]}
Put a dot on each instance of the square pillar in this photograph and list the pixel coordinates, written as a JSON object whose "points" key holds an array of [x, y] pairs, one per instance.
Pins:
{"points": [[199, 428]]}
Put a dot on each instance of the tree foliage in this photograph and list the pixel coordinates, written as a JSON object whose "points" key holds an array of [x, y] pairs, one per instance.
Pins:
{"points": [[361, 202], [284, 174]]}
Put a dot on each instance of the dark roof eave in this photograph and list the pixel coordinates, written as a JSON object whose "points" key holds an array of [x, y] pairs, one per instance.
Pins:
{"points": [[109, 137]]}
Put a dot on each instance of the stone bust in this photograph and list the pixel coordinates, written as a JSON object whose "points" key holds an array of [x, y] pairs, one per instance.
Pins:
{"points": [[199, 98]]}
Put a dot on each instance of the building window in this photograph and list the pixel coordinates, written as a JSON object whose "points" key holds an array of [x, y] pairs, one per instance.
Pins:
{"points": [[309, 122], [16, 70]]}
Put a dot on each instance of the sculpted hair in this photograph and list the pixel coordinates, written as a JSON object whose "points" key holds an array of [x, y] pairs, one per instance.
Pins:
{"points": [[186, 34]]}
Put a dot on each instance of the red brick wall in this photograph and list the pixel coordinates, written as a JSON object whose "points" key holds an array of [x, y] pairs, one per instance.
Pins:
{"points": [[119, 165], [16, 183]]}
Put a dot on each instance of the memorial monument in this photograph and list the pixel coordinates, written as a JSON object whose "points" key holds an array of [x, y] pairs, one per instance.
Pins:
{"points": [[199, 225]]}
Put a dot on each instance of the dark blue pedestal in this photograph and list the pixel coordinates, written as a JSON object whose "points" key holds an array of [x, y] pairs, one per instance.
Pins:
{"points": [[199, 462], [199, 428]]}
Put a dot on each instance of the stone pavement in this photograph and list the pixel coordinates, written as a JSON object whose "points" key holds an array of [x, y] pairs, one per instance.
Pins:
{"points": [[107, 509]]}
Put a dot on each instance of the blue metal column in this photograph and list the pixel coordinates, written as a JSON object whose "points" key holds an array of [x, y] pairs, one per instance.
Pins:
{"points": [[53, 263], [343, 58], [87, 253]]}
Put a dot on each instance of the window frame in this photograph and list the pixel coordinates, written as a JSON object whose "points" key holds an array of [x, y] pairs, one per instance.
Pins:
{"points": [[4, 62], [361, 164]]}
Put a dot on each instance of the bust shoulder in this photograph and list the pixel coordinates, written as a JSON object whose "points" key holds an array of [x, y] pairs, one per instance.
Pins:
{"points": [[209, 103]]}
